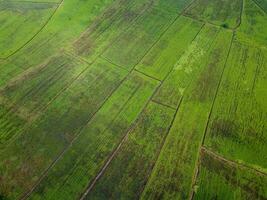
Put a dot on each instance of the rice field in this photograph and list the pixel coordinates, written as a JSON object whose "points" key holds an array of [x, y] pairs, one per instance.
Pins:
{"points": [[133, 99]]}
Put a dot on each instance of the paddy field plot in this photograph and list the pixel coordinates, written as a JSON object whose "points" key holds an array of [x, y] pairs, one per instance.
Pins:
{"points": [[133, 99]]}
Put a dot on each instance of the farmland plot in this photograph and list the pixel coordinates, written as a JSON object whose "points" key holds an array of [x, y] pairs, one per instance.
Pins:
{"points": [[237, 127], [221, 179], [160, 60], [133, 44], [20, 21], [83, 160], [133, 99], [253, 30], [31, 153], [24, 97], [115, 19], [172, 175], [61, 30], [185, 69], [224, 13], [136, 156]]}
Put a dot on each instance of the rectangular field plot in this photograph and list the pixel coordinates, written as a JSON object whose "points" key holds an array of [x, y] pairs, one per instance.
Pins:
{"points": [[253, 30], [133, 44], [71, 175], [237, 127], [107, 27], [136, 157], [224, 13], [186, 67], [41, 143], [25, 97], [222, 179], [162, 57], [20, 21], [172, 175]]}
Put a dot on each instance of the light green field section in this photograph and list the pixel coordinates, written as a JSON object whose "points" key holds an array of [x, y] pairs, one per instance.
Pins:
{"points": [[222, 179], [237, 126], [101, 136], [20, 21], [136, 157], [186, 68], [225, 13], [253, 30], [162, 57], [172, 175], [133, 44], [47, 137]]}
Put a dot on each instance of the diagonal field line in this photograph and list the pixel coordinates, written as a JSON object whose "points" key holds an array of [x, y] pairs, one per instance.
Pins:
{"points": [[163, 104], [45, 24], [196, 170], [156, 79]]}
